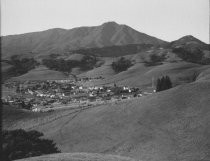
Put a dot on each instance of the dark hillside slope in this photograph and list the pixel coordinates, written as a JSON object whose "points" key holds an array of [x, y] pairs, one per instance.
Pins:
{"points": [[190, 49], [170, 125], [60, 41]]}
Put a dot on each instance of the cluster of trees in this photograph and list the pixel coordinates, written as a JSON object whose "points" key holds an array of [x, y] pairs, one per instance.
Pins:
{"points": [[163, 83], [21, 66], [87, 62], [121, 65], [155, 60], [195, 55], [19, 144]]}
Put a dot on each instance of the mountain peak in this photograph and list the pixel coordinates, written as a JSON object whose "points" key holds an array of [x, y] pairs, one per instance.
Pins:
{"points": [[110, 23], [188, 39]]}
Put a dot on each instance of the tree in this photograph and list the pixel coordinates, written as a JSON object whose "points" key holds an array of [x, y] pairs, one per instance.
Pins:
{"points": [[163, 83], [19, 144], [121, 65]]}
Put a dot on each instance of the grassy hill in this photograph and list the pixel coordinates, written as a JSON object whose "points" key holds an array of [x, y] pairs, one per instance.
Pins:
{"points": [[42, 73], [141, 75], [169, 125]]}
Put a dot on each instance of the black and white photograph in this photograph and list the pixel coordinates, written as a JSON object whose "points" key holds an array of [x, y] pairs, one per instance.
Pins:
{"points": [[105, 80]]}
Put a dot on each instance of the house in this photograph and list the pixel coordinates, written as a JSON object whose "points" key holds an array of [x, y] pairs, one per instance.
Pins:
{"points": [[36, 109]]}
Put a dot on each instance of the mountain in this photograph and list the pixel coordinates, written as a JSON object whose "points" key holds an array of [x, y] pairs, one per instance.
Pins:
{"points": [[61, 40]]}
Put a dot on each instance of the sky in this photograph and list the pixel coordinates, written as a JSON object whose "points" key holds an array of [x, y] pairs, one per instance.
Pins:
{"points": [[165, 19]]}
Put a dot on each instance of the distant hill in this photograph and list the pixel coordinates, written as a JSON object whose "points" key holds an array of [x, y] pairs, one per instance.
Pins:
{"points": [[190, 49], [61, 40], [107, 40], [189, 40]]}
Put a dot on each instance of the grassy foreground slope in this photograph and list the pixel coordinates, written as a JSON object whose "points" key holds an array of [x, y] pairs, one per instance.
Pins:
{"points": [[79, 157], [170, 125]]}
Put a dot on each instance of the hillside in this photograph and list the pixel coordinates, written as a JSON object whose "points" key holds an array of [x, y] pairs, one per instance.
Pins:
{"points": [[42, 73], [60, 41], [169, 125], [140, 75]]}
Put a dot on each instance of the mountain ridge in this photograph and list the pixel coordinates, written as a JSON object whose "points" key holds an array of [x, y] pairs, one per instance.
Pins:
{"points": [[59, 40]]}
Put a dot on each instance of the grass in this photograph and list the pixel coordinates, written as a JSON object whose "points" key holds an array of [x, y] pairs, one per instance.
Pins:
{"points": [[169, 125]]}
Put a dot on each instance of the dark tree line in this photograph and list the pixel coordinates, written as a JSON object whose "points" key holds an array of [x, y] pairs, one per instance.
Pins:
{"points": [[163, 83], [155, 60], [19, 144], [88, 62], [121, 65], [195, 56], [111, 51]]}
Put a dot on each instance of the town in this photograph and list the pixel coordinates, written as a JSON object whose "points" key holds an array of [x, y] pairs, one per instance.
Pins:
{"points": [[48, 95]]}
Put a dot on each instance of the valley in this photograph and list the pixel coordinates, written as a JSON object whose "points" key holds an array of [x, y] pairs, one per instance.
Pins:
{"points": [[92, 90]]}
